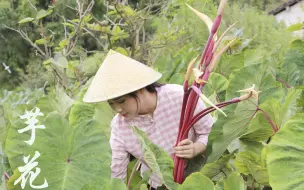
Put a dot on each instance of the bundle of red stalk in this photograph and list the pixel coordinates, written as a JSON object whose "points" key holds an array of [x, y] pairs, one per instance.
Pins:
{"points": [[209, 58]]}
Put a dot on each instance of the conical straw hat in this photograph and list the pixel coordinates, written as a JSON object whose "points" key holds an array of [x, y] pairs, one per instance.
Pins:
{"points": [[119, 75]]}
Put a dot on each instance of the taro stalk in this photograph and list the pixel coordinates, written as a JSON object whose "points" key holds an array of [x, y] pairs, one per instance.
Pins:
{"points": [[209, 58]]}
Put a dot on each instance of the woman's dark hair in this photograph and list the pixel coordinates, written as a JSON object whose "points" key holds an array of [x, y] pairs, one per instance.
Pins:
{"points": [[150, 88]]}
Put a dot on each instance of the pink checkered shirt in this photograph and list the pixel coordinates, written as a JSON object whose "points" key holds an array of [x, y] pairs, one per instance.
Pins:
{"points": [[162, 130]]}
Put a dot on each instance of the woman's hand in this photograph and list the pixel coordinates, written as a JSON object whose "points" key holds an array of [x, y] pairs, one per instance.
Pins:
{"points": [[185, 149]]}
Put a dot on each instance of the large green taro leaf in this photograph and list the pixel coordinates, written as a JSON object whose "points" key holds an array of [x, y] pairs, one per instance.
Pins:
{"points": [[234, 182], [70, 158], [292, 68], [259, 129], [57, 100], [229, 63], [137, 180], [290, 71], [197, 181], [254, 56], [279, 112], [258, 74], [240, 116], [216, 170], [157, 159], [217, 83], [251, 163], [285, 158], [117, 184], [82, 112], [233, 126], [220, 185]]}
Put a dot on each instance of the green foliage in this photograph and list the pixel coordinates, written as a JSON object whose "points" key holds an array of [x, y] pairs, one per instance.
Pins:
{"points": [[137, 181], [234, 182], [117, 184], [219, 169], [13, 51], [266, 31], [250, 163], [80, 114], [265, 5], [285, 155], [74, 148], [157, 159], [197, 181], [292, 67], [280, 112], [71, 151], [232, 127], [295, 27]]}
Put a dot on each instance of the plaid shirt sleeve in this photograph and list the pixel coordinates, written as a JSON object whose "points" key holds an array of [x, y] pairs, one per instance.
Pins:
{"points": [[120, 157], [203, 127]]}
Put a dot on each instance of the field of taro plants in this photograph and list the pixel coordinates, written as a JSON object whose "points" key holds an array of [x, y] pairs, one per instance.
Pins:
{"points": [[50, 139]]}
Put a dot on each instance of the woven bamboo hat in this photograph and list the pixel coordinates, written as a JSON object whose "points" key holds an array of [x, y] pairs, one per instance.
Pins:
{"points": [[119, 75]]}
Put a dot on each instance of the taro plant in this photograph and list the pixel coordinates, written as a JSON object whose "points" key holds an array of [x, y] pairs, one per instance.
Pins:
{"points": [[74, 142], [239, 140], [258, 143], [207, 63]]}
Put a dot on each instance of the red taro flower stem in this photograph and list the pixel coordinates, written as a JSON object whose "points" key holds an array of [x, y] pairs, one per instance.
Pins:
{"points": [[190, 98], [181, 172], [209, 55], [186, 86], [185, 99], [188, 108], [205, 77], [178, 169], [207, 50], [180, 163], [204, 112], [208, 60], [6, 175], [216, 24], [195, 100], [198, 117], [214, 29], [175, 169]]}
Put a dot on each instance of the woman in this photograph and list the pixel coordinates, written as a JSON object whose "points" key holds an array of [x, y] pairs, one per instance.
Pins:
{"points": [[131, 90]]}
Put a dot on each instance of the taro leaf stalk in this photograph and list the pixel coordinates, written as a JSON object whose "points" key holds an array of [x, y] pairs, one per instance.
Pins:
{"points": [[207, 63]]}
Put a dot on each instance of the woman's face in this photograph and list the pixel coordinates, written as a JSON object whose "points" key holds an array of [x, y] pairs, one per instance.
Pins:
{"points": [[125, 105]]}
